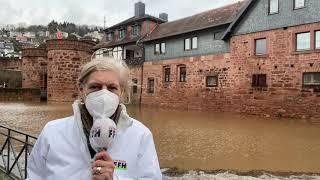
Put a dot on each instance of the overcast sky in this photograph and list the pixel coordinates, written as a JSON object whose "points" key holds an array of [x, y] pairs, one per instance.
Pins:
{"points": [[91, 12]]}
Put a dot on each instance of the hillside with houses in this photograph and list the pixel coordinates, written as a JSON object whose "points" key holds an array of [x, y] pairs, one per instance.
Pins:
{"points": [[13, 39]]}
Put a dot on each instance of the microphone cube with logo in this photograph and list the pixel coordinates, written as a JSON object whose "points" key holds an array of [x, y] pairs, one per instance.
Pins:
{"points": [[102, 134]]}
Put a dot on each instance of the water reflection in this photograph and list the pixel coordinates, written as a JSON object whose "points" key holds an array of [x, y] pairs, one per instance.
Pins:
{"points": [[199, 140]]}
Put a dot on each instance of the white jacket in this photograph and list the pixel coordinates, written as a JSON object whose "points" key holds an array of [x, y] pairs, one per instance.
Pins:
{"points": [[61, 152]]}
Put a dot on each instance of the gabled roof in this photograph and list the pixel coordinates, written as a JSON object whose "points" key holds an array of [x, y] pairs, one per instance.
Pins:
{"points": [[127, 39], [135, 19], [212, 18], [238, 18]]}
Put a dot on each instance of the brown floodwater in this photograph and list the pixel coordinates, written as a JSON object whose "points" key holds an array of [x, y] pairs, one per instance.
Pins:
{"points": [[202, 140]]}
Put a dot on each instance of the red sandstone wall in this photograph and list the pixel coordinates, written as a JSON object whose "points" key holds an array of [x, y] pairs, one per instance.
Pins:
{"points": [[284, 95], [135, 73], [10, 63], [34, 64], [65, 58], [192, 94]]}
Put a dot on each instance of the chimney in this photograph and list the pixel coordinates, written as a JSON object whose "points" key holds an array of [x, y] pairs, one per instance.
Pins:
{"points": [[139, 9], [164, 16]]}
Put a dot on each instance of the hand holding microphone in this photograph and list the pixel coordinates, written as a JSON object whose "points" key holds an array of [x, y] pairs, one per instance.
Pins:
{"points": [[102, 134], [103, 166]]}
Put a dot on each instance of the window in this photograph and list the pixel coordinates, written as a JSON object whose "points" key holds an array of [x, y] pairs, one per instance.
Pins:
{"points": [[212, 81], [299, 4], [122, 33], [273, 6], [103, 53], [261, 46], [163, 48], [166, 74], [136, 30], [303, 41], [191, 43], [135, 86], [317, 39], [151, 85], [182, 73], [194, 42], [117, 52], [160, 48], [106, 53], [259, 80], [109, 36], [187, 44], [217, 35], [157, 49], [311, 79]]}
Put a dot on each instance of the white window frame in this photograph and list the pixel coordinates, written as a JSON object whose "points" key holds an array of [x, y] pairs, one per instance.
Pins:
{"points": [[122, 33], [269, 7], [265, 48], [299, 7], [302, 39], [317, 39], [194, 42]]}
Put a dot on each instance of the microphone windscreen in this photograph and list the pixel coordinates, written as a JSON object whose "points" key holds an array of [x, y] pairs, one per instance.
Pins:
{"points": [[102, 134]]}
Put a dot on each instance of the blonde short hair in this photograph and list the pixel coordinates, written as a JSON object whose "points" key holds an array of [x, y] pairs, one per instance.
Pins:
{"points": [[108, 64]]}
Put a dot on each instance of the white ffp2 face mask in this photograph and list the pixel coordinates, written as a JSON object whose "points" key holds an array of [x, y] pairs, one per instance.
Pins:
{"points": [[101, 104]]}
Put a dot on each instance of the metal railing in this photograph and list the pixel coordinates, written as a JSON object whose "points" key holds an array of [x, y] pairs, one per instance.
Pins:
{"points": [[12, 155]]}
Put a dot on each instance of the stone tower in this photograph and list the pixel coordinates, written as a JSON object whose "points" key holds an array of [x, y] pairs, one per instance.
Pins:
{"points": [[65, 58], [34, 68]]}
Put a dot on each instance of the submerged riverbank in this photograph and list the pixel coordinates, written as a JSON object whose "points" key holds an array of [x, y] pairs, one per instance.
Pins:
{"points": [[175, 174]]}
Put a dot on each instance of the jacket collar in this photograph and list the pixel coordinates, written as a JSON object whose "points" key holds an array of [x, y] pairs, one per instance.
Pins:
{"points": [[124, 122]]}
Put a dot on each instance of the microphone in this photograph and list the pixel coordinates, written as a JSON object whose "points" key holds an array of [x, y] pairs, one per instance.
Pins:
{"points": [[102, 134]]}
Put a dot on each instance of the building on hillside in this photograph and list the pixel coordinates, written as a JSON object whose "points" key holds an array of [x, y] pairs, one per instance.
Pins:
{"points": [[2, 49], [95, 35], [76, 35], [14, 34], [6, 49], [30, 35], [41, 34]]}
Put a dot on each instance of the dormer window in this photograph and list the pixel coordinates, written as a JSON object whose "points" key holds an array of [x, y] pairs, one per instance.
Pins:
{"points": [[136, 30], [122, 33]]}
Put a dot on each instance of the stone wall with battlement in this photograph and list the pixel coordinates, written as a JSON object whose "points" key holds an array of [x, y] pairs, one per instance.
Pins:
{"points": [[65, 58]]}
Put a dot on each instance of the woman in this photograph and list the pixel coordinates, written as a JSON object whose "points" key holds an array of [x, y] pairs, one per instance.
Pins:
{"points": [[63, 151]]}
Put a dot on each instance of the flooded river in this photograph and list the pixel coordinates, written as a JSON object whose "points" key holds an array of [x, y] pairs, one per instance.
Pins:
{"points": [[202, 140]]}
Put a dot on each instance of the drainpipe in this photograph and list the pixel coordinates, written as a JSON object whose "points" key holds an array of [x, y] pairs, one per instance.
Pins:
{"points": [[140, 45], [140, 99], [142, 48]]}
